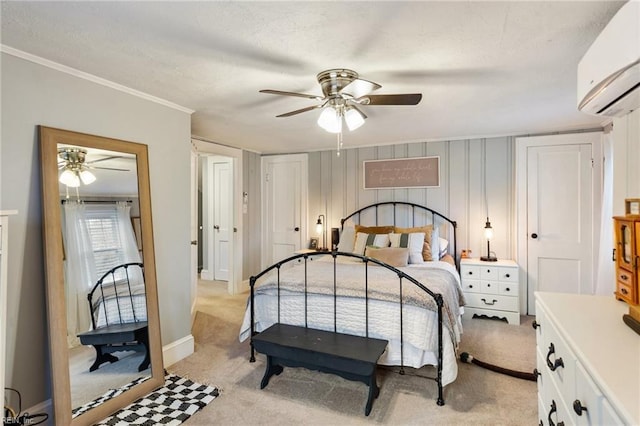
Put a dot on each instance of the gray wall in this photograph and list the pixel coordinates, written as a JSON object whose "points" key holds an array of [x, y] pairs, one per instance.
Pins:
{"points": [[31, 95], [336, 187]]}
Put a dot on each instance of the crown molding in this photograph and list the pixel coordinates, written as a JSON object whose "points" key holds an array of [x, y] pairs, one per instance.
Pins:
{"points": [[90, 77]]}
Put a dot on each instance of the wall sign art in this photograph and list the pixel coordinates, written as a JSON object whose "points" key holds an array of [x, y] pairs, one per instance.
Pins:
{"points": [[420, 172]]}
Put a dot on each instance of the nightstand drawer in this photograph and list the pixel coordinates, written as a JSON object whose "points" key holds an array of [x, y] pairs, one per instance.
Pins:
{"points": [[489, 272], [508, 275], [508, 289], [471, 286], [492, 301], [470, 272]]}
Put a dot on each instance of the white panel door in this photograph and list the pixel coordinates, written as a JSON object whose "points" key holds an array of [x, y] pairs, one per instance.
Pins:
{"points": [[559, 219], [285, 204], [222, 223]]}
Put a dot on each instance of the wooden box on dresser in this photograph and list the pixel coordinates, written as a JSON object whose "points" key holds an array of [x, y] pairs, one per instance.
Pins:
{"points": [[627, 253], [588, 361], [491, 289]]}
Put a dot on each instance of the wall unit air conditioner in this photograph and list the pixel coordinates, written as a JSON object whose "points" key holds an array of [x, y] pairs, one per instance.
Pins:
{"points": [[609, 73]]}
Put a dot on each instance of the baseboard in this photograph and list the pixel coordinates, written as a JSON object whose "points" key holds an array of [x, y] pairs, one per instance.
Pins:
{"points": [[206, 275], [45, 406], [175, 351]]}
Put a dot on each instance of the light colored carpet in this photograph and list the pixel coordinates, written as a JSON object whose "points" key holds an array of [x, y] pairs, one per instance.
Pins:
{"points": [[299, 396]]}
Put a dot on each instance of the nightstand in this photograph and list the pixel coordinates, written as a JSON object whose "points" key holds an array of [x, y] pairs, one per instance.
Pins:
{"points": [[491, 289]]}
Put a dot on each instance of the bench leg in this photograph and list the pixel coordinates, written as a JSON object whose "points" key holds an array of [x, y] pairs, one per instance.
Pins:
{"points": [[101, 358], [270, 371], [144, 339], [374, 391]]}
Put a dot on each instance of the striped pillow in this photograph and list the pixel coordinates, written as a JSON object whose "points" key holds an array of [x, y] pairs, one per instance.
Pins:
{"points": [[413, 241], [363, 240]]}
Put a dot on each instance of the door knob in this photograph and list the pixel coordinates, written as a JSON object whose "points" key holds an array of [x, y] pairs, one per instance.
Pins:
{"points": [[297, 228], [534, 235], [194, 242], [217, 227]]}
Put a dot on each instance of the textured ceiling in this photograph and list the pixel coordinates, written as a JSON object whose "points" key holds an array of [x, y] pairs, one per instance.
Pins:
{"points": [[484, 68]]}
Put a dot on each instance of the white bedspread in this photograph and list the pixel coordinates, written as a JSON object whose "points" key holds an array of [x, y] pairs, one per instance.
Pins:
{"points": [[420, 322]]}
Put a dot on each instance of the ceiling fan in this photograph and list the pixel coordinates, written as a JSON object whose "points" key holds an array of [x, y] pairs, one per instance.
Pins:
{"points": [[75, 168], [343, 93]]}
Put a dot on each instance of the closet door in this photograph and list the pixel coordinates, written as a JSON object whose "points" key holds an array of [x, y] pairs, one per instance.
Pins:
{"points": [[556, 213], [285, 184]]}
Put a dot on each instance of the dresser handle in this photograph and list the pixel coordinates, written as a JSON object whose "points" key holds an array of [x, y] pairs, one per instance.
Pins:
{"points": [[470, 272], [553, 410], [488, 271], [624, 291], [557, 363], [507, 275], [624, 277], [487, 303], [536, 373], [613, 255], [578, 408], [535, 324], [507, 289], [470, 285]]}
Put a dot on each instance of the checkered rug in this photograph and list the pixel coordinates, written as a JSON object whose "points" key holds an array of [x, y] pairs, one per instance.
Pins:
{"points": [[171, 405]]}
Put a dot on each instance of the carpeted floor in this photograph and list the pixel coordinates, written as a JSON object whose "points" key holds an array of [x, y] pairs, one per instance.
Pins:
{"points": [[299, 396]]}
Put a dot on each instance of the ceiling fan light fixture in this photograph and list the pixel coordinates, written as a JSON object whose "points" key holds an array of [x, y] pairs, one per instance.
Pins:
{"points": [[330, 120], [354, 118], [87, 177], [70, 178]]}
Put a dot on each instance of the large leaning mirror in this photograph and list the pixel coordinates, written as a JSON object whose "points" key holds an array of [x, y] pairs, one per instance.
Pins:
{"points": [[104, 327]]}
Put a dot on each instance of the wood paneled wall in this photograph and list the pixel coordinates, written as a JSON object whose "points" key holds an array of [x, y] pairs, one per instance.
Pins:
{"points": [[471, 171]]}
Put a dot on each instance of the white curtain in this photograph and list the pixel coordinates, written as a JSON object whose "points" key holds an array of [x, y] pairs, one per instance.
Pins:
{"points": [[605, 277], [79, 269], [128, 243]]}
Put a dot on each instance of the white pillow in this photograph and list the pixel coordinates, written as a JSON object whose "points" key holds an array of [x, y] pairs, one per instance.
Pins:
{"points": [[413, 241], [347, 239], [363, 240], [444, 247], [435, 244]]}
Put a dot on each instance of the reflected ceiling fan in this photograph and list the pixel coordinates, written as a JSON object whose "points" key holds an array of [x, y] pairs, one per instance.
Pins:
{"points": [[344, 93], [75, 168]]}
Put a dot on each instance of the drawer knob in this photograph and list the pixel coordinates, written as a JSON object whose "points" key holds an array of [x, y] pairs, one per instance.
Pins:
{"points": [[507, 275], [578, 407], [535, 324], [470, 272], [536, 373], [624, 277], [624, 291], [493, 302], [553, 410], [553, 366], [488, 271], [507, 289], [470, 285]]}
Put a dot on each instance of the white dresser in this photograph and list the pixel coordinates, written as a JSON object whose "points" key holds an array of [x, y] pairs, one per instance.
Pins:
{"points": [[491, 289], [588, 360], [4, 233]]}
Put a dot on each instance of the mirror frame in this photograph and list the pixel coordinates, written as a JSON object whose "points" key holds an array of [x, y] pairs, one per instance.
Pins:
{"points": [[54, 274]]}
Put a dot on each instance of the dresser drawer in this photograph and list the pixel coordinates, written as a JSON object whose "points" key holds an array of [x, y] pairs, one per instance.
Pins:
{"points": [[508, 275], [508, 289], [559, 361], [489, 272], [492, 301], [626, 291]]}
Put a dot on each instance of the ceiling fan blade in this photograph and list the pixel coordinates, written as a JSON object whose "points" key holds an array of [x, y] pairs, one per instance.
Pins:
{"points": [[299, 95], [359, 88], [109, 168], [404, 99], [298, 111], [109, 158]]}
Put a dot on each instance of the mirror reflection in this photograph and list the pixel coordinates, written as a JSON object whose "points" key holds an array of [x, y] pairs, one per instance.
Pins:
{"points": [[107, 332]]}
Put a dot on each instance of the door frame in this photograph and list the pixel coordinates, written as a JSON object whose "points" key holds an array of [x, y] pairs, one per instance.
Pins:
{"points": [[522, 146], [234, 285]]}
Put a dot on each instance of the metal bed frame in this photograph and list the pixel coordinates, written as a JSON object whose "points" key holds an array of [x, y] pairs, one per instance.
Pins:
{"points": [[305, 257]]}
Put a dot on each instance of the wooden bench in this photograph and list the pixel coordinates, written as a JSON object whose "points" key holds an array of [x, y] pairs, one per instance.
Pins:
{"points": [[351, 357], [114, 338]]}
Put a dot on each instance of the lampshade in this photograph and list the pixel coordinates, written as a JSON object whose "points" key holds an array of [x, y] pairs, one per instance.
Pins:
{"points": [[354, 118], [70, 178], [330, 120], [488, 230], [87, 177]]}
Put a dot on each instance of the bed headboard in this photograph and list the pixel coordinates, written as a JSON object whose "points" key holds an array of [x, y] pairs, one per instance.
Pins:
{"points": [[404, 214]]}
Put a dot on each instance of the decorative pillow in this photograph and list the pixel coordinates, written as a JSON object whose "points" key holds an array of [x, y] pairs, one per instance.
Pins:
{"points": [[347, 240], [363, 240], [426, 247], [374, 229], [390, 255], [444, 247], [413, 241]]}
